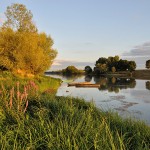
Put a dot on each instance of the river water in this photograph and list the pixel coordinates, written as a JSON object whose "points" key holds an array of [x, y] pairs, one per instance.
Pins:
{"points": [[128, 97]]}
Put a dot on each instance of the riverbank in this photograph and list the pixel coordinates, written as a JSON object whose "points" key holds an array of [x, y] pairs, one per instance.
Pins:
{"points": [[33, 117], [137, 74], [142, 74]]}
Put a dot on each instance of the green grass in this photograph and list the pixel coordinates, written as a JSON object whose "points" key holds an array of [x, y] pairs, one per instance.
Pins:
{"points": [[61, 123], [45, 84]]}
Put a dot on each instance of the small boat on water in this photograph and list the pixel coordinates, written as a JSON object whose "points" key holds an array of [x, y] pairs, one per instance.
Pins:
{"points": [[88, 85], [74, 84], [84, 84]]}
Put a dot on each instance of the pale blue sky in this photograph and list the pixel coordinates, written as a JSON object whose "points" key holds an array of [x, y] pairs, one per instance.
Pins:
{"points": [[84, 30]]}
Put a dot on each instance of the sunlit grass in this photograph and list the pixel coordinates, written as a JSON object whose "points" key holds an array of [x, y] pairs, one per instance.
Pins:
{"points": [[52, 122]]}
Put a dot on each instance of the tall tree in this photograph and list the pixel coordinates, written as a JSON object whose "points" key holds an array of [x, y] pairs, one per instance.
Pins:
{"points": [[22, 48], [29, 52], [19, 18]]}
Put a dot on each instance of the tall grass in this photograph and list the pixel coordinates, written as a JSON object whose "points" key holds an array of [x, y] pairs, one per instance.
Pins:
{"points": [[51, 122]]}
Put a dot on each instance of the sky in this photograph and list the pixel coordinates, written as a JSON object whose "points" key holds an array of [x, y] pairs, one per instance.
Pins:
{"points": [[85, 30]]}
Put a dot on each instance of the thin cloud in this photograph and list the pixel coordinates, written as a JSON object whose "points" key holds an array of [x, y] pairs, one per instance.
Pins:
{"points": [[140, 50], [140, 54]]}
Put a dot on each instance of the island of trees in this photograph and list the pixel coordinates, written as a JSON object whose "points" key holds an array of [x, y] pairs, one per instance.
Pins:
{"points": [[111, 64]]}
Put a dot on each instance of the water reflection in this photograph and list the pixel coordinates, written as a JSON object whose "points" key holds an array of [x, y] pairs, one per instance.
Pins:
{"points": [[127, 96], [70, 78], [112, 84], [88, 78], [147, 85]]}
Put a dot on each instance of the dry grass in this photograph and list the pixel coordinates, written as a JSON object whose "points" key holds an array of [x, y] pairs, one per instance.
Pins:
{"points": [[142, 74]]}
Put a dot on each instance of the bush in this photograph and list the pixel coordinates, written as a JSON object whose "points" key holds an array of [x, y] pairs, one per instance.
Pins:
{"points": [[71, 70]]}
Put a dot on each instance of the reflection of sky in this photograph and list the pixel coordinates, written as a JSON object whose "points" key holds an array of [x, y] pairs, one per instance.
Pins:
{"points": [[127, 102]]}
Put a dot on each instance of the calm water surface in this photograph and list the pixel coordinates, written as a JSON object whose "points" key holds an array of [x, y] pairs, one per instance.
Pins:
{"points": [[129, 97]]}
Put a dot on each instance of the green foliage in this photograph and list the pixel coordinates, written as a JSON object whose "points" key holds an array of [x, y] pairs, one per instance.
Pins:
{"points": [[131, 65], [71, 70], [19, 18], [102, 60], [148, 64], [104, 65], [88, 69], [100, 68], [29, 52]]}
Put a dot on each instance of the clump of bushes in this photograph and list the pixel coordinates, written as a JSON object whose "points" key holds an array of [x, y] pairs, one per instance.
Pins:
{"points": [[72, 70], [111, 64]]}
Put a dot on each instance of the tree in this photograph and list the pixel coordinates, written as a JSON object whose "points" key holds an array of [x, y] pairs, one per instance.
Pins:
{"points": [[88, 69], [113, 64], [22, 49], [122, 65], [148, 64], [29, 52], [100, 68], [131, 65], [101, 60], [19, 18], [7, 46]]}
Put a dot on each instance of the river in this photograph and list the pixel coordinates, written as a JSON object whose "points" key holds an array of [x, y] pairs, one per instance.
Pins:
{"points": [[128, 97]]}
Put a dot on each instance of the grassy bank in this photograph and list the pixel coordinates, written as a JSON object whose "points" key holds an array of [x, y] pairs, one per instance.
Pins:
{"points": [[34, 118], [43, 83]]}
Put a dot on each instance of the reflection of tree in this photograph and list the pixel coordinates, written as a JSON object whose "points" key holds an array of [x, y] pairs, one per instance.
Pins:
{"points": [[115, 84], [88, 78], [113, 89], [147, 84], [72, 77]]}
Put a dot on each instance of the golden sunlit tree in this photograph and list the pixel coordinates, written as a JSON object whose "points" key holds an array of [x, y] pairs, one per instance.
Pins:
{"points": [[22, 48]]}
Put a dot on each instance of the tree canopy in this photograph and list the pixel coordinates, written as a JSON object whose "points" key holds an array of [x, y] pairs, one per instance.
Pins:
{"points": [[113, 64], [21, 46], [88, 69], [19, 18]]}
